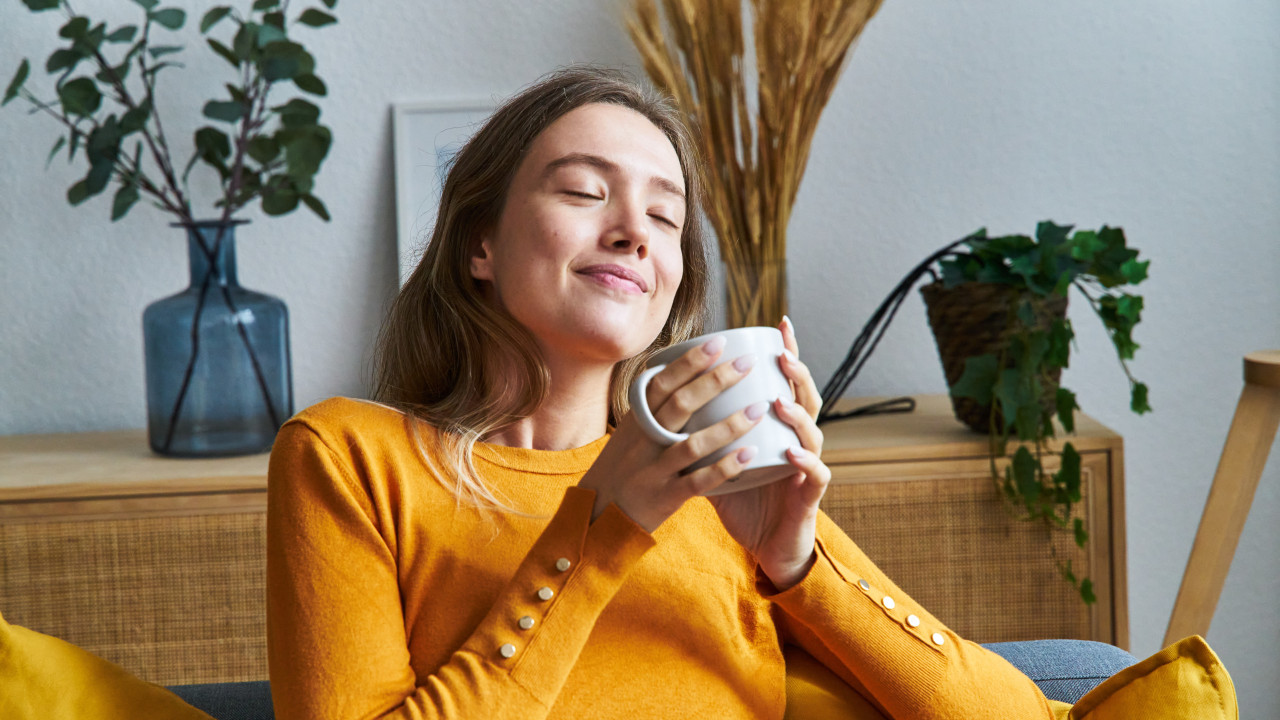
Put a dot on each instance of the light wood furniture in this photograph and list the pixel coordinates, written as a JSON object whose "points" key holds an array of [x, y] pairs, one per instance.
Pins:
{"points": [[156, 564], [1253, 430], [915, 492]]}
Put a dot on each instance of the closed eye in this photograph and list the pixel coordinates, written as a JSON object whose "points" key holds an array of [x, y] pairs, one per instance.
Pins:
{"points": [[586, 195], [665, 220]]}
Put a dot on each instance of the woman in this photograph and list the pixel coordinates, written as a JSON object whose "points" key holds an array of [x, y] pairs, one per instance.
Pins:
{"points": [[485, 544]]}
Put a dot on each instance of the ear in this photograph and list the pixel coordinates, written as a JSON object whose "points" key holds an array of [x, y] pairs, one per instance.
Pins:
{"points": [[482, 260]]}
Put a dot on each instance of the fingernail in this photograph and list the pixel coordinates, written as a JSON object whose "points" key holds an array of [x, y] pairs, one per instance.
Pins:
{"points": [[745, 363], [799, 453], [790, 356], [746, 453], [786, 402], [755, 412], [714, 345], [787, 320]]}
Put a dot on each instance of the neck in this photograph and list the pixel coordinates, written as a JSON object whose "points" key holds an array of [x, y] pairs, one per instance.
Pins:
{"points": [[574, 413]]}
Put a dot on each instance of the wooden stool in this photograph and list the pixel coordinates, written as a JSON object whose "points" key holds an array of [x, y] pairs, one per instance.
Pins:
{"points": [[1253, 430]]}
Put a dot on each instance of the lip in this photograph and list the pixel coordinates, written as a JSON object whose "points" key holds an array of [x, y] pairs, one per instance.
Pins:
{"points": [[617, 271]]}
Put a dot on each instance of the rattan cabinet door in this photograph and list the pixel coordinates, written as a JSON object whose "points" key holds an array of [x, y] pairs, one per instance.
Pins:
{"points": [[172, 588], [939, 529]]}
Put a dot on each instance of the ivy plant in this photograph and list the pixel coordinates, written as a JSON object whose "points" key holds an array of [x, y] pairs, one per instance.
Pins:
{"points": [[1018, 384], [104, 96]]}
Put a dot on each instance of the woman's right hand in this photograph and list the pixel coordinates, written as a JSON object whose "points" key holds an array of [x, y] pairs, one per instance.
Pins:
{"points": [[642, 477]]}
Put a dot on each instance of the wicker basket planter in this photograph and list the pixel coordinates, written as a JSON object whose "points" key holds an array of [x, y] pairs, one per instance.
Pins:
{"points": [[974, 319]]}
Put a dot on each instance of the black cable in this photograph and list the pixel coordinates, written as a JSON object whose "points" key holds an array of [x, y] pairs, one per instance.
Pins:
{"points": [[867, 340]]}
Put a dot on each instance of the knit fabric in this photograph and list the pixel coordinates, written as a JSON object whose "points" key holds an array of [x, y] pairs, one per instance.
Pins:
{"points": [[387, 598]]}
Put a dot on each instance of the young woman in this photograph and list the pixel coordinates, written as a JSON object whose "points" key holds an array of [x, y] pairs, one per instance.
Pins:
{"points": [[497, 538]]}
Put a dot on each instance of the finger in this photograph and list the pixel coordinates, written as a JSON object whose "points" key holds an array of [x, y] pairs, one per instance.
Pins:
{"points": [[817, 474], [688, 399], [683, 369], [713, 438], [789, 336], [798, 418], [806, 391], [725, 469]]}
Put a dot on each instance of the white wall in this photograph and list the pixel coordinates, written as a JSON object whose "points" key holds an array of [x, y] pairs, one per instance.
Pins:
{"points": [[1163, 118]]}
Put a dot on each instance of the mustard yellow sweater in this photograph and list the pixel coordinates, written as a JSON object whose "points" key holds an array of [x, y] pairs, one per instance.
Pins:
{"points": [[385, 598]]}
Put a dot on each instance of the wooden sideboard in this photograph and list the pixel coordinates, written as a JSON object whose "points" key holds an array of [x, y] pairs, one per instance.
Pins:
{"points": [[915, 491], [157, 564]]}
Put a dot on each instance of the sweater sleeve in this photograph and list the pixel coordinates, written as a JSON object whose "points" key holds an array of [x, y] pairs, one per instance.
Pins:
{"points": [[336, 638], [851, 617]]}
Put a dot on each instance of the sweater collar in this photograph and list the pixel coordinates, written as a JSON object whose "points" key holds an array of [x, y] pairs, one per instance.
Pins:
{"points": [[543, 462]]}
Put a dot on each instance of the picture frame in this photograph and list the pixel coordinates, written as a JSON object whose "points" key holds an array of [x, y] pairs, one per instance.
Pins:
{"points": [[426, 135]]}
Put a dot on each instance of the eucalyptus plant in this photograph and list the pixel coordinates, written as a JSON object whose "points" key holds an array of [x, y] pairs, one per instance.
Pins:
{"points": [[1016, 384], [104, 97]]}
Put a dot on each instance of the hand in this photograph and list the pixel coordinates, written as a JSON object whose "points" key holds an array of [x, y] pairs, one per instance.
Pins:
{"points": [[642, 477], [777, 523]]}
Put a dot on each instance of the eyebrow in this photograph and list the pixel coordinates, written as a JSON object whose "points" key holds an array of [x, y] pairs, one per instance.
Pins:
{"points": [[606, 165]]}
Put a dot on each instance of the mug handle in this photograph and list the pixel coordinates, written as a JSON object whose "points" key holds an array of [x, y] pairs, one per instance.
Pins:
{"points": [[640, 406]]}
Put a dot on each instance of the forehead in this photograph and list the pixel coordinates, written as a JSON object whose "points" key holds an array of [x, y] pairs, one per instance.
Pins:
{"points": [[616, 133]]}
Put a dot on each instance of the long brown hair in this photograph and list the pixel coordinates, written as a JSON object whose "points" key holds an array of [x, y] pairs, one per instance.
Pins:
{"points": [[455, 362]]}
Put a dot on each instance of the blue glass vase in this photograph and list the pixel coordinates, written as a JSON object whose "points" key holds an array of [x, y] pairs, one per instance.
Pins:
{"points": [[218, 373]]}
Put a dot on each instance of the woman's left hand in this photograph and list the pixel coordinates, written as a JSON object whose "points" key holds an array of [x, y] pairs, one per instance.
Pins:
{"points": [[777, 522]]}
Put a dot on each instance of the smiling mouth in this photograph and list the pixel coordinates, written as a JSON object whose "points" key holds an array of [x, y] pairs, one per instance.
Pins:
{"points": [[616, 276]]}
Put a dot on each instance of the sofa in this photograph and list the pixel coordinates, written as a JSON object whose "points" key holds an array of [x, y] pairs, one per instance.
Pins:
{"points": [[1063, 669]]}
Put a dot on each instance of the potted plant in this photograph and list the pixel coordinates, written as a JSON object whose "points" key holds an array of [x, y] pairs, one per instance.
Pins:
{"points": [[218, 371], [998, 313]]}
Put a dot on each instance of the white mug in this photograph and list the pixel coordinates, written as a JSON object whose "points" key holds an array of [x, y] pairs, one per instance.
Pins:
{"points": [[771, 436]]}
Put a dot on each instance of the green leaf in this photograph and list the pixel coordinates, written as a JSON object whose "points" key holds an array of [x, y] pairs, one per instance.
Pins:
{"points": [[172, 18], [1133, 271], [978, 379], [1024, 475], [311, 84], [62, 59], [245, 41], [1086, 592], [78, 193], [148, 4], [263, 149], [123, 34], [260, 5], [316, 18], [38, 5], [1069, 472], [75, 28], [1085, 245], [279, 202], [20, 77], [225, 52], [213, 144], [316, 206], [160, 51], [282, 60], [126, 196], [98, 177], [1009, 390], [1061, 333], [297, 113], [136, 119], [305, 152], [268, 33], [80, 97], [1081, 535], [213, 17], [224, 110], [1138, 399], [1066, 405], [62, 140], [331, 3]]}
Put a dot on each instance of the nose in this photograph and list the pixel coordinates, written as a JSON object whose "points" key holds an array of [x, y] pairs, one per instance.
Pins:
{"points": [[628, 229]]}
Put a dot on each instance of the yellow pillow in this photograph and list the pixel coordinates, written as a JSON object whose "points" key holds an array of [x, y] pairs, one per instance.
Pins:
{"points": [[43, 677], [816, 693], [1185, 680]]}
